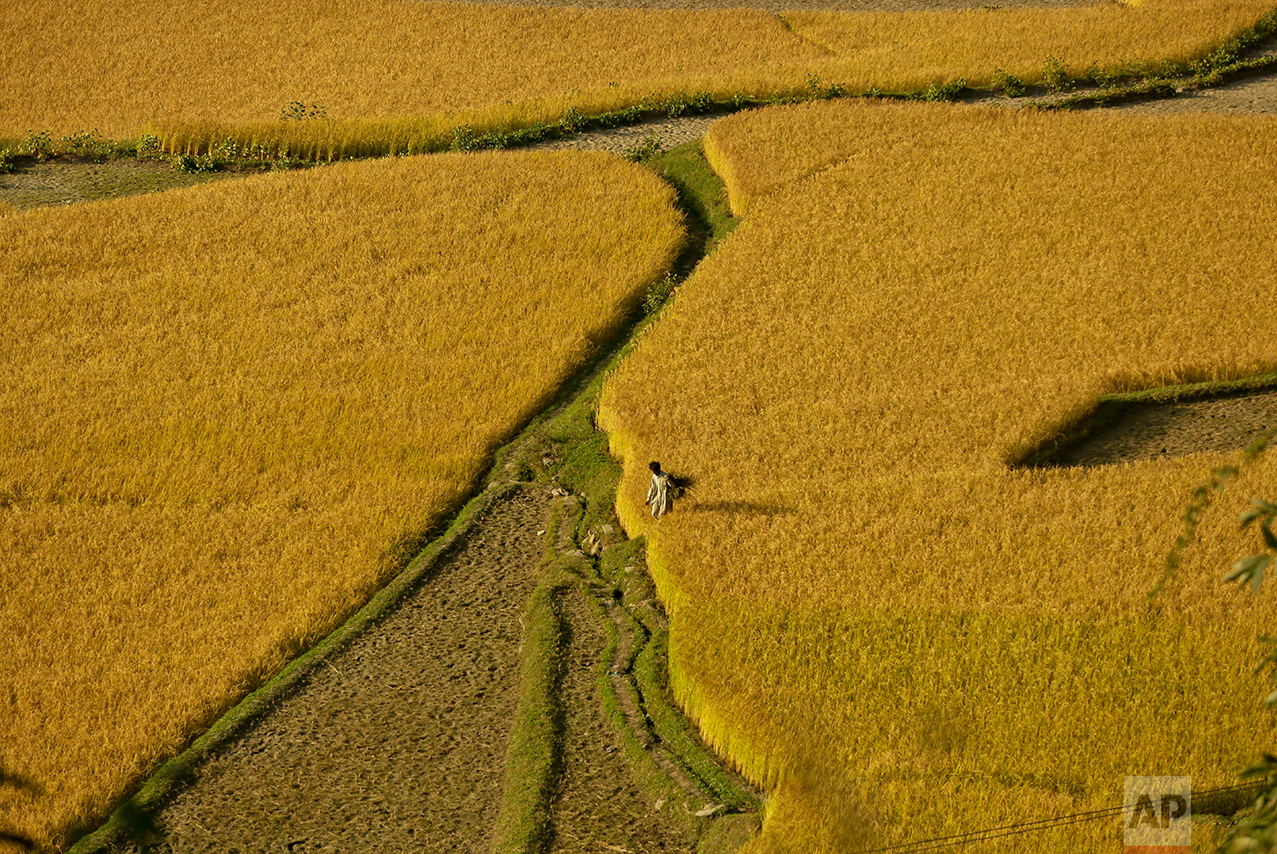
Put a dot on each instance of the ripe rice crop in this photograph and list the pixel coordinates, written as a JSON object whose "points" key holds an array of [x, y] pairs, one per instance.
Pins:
{"points": [[400, 76], [900, 51], [124, 66], [872, 610], [227, 408]]}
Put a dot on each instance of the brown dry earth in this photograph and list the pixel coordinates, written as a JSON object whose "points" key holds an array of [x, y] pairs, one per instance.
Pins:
{"points": [[399, 742], [1155, 431]]}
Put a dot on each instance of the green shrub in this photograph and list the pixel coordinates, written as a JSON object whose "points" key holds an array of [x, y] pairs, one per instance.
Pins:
{"points": [[946, 92], [1055, 76], [1007, 84], [37, 145]]}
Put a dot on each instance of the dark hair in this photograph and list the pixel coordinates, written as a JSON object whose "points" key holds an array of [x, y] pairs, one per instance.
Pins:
{"points": [[655, 467]]}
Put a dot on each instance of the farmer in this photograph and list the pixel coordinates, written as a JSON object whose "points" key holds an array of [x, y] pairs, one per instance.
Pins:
{"points": [[658, 494]]}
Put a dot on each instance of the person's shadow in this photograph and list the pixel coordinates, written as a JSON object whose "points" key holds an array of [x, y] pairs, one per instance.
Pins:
{"points": [[18, 781], [750, 508]]}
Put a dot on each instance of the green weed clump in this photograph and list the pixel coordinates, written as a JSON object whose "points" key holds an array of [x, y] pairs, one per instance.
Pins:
{"points": [[1055, 77], [1007, 84]]}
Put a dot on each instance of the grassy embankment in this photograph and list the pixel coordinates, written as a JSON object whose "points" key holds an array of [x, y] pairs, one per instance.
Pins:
{"points": [[582, 464], [233, 411], [871, 611], [382, 76]]}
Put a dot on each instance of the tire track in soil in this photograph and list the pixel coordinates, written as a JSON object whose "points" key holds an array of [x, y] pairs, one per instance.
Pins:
{"points": [[399, 743]]}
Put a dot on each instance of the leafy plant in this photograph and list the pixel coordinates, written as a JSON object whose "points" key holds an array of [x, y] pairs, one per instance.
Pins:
{"points": [[817, 91], [462, 138], [676, 105], [648, 148], [37, 145], [192, 164], [1104, 78], [1008, 84], [944, 92], [573, 120], [87, 143], [286, 162], [1055, 76], [6, 161], [657, 294], [701, 102], [148, 145]]}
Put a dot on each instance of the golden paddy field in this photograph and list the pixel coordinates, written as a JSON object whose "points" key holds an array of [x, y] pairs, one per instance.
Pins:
{"points": [[872, 611], [395, 75], [225, 406]]}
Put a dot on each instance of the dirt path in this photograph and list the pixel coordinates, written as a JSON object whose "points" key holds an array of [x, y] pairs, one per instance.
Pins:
{"points": [[599, 805], [399, 742]]}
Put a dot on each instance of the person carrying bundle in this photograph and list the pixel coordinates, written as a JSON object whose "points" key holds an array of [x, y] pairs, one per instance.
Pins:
{"points": [[659, 494]]}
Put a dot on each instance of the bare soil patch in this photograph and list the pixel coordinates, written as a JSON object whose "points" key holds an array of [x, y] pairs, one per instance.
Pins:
{"points": [[68, 180], [399, 743], [1148, 431]]}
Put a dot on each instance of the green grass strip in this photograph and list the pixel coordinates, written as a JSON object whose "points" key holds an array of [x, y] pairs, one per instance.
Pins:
{"points": [[532, 760]]}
